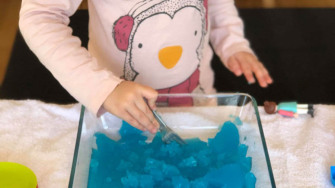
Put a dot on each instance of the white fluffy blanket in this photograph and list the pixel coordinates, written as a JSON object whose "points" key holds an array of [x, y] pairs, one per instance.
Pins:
{"points": [[42, 136]]}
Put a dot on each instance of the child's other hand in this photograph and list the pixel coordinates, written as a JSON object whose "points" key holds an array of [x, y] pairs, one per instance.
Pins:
{"points": [[127, 101], [247, 64]]}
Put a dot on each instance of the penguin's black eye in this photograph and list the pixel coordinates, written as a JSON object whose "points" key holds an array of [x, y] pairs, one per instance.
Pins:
{"points": [[140, 45], [195, 33]]}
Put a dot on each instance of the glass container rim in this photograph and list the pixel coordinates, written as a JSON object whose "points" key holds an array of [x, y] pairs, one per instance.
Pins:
{"points": [[215, 95]]}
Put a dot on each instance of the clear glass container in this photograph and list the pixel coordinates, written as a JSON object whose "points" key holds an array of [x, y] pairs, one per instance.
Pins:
{"points": [[201, 116]]}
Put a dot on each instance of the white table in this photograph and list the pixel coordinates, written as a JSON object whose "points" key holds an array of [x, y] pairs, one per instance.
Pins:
{"points": [[42, 137]]}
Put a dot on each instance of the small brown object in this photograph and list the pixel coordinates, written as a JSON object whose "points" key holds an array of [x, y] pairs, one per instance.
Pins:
{"points": [[270, 107]]}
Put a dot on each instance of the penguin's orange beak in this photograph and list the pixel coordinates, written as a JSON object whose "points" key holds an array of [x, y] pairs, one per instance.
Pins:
{"points": [[169, 56]]}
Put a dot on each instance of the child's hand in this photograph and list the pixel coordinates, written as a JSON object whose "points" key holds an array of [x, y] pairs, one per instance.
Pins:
{"points": [[127, 101], [247, 64]]}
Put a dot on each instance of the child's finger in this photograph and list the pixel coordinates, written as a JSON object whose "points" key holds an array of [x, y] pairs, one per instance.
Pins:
{"points": [[142, 118], [267, 76], [234, 66], [121, 112], [252, 68], [150, 95], [131, 120], [260, 73], [143, 106], [247, 71]]}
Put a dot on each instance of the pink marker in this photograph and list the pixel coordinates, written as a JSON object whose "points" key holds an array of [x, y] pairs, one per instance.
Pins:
{"points": [[287, 113]]}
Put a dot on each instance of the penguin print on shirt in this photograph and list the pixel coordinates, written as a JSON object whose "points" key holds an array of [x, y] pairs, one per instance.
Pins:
{"points": [[163, 42]]}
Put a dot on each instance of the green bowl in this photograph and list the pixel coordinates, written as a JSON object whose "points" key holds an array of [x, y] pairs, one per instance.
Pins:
{"points": [[14, 175]]}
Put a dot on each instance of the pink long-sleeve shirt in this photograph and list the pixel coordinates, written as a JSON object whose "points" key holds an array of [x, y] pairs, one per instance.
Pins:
{"points": [[160, 43]]}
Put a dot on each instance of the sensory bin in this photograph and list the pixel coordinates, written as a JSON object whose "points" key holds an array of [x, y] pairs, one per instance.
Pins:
{"points": [[156, 164], [225, 148]]}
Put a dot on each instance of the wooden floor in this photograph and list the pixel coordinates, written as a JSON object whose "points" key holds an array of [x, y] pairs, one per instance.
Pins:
{"points": [[9, 14]]}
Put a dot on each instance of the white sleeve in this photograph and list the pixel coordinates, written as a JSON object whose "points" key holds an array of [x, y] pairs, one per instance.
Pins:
{"points": [[227, 30], [44, 26]]}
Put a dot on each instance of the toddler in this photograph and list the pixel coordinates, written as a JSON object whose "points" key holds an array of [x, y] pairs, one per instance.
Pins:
{"points": [[137, 49]]}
